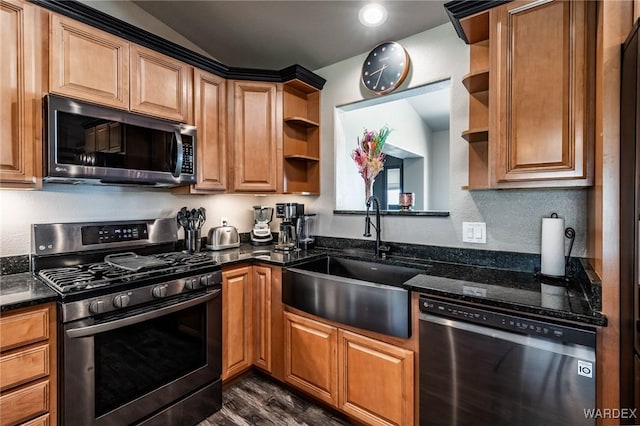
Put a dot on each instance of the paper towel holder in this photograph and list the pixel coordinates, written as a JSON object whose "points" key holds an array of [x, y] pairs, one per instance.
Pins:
{"points": [[570, 233]]}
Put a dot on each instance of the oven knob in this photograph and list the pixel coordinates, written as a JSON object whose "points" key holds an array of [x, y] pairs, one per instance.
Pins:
{"points": [[97, 307], [159, 291], [191, 283], [121, 301], [204, 281]]}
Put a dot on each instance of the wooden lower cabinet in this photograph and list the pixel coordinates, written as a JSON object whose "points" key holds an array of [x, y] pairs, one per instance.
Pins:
{"points": [[376, 380], [236, 321], [311, 357], [367, 379], [262, 317], [28, 366], [252, 320]]}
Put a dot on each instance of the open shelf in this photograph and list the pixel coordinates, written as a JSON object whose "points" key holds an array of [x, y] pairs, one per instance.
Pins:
{"points": [[477, 81], [301, 157], [301, 138], [476, 27], [301, 121], [476, 135]]}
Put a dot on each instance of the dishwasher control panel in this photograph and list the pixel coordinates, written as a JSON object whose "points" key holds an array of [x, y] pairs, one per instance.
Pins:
{"points": [[508, 322]]}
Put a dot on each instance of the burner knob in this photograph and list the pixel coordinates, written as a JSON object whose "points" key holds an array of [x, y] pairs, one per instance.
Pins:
{"points": [[121, 301], [191, 283], [204, 282], [159, 291], [97, 307]]}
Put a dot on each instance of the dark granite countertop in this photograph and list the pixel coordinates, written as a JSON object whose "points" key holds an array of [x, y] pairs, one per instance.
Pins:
{"points": [[20, 290], [517, 290], [524, 292]]}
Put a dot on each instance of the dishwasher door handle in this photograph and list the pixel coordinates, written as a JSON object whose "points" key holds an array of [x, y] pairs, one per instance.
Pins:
{"points": [[572, 350]]}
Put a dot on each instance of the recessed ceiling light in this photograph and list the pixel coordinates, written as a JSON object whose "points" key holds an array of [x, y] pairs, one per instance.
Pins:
{"points": [[372, 15]]}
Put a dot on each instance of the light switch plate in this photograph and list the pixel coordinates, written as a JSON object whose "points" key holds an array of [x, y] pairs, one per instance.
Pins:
{"points": [[474, 232]]}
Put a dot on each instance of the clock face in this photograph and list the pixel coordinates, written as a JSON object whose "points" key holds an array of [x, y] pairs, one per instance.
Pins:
{"points": [[385, 68]]}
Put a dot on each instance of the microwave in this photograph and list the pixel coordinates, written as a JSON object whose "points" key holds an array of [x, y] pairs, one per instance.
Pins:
{"points": [[88, 143]]}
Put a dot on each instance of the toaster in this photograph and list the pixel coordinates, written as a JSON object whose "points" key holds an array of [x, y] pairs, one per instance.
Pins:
{"points": [[223, 237]]}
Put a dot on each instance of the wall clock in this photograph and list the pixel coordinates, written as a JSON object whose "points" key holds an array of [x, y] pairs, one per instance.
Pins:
{"points": [[385, 68]]}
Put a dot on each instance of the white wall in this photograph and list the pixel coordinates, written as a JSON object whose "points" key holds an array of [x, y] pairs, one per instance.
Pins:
{"points": [[69, 203], [439, 171], [133, 14], [513, 217]]}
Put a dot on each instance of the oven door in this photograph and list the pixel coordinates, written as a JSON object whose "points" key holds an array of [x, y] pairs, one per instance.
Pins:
{"points": [[120, 369]]}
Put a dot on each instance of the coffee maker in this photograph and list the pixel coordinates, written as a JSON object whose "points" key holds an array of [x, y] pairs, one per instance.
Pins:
{"points": [[305, 231], [261, 232], [288, 213]]}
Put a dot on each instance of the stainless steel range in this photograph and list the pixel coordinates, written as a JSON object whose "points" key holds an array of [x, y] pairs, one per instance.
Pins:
{"points": [[140, 324]]}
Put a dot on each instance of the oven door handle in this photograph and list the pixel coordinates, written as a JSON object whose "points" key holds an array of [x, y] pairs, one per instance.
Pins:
{"points": [[92, 330]]}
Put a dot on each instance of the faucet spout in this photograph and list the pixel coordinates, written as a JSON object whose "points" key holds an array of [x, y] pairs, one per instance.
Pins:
{"points": [[381, 250]]}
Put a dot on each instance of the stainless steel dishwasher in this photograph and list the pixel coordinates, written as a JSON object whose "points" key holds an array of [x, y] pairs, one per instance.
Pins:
{"points": [[483, 367]]}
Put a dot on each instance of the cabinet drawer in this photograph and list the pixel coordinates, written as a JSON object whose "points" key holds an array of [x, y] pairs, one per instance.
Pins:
{"points": [[24, 366], [40, 421], [24, 403], [23, 328]]}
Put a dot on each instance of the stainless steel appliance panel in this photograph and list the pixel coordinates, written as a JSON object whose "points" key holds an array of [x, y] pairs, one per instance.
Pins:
{"points": [[484, 375], [120, 367], [88, 143]]}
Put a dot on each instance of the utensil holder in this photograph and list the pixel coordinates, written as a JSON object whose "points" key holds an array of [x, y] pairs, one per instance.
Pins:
{"points": [[192, 240]]}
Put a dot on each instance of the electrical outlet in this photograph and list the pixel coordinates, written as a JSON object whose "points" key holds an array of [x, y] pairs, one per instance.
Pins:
{"points": [[224, 221], [474, 232]]}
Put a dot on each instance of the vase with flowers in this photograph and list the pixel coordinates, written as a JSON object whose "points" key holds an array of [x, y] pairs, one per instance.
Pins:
{"points": [[368, 156]]}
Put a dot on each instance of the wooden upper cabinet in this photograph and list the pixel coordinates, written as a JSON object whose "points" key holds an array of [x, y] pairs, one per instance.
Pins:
{"points": [[209, 93], [23, 33], [542, 68], [160, 85], [256, 142], [87, 63]]}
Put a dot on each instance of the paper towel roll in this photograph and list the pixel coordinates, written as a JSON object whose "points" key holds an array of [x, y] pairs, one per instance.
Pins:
{"points": [[552, 252]]}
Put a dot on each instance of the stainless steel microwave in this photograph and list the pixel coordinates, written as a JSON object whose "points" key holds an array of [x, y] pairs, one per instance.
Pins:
{"points": [[88, 143]]}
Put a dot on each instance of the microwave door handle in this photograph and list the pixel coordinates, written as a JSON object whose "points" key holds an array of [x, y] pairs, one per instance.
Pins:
{"points": [[92, 330], [179, 153]]}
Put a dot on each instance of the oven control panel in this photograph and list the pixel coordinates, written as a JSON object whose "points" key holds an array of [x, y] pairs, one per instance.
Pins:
{"points": [[114, 233], [505, 321], [136, 296]]}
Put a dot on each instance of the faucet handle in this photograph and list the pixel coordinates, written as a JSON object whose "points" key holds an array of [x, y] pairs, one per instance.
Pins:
{"points": [[383, 251], [367, 227]]}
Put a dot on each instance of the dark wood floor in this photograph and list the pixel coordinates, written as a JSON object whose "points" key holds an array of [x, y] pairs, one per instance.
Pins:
{"points": [[256, 400]]}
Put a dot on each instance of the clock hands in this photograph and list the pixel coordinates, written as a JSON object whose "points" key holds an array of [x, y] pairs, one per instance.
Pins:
{"points": [[381, 70]]}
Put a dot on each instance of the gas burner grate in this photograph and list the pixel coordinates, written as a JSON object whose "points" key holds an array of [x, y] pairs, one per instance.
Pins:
{"points": [[95, 275]]}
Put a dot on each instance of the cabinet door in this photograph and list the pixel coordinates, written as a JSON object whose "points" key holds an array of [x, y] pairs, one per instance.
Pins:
{"points": [[211, 121], [88, 64], [256, 142], [541, 97], [310, 360], [23, 34], [160, 85], [262, 317], [376, 380], [236, 321]]}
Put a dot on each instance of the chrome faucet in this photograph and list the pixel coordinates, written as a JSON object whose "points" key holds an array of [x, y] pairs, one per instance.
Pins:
{"points": [[381, 250]]}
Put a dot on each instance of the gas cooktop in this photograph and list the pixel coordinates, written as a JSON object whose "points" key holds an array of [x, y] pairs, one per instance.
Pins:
{"points": [[122, 269]]}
